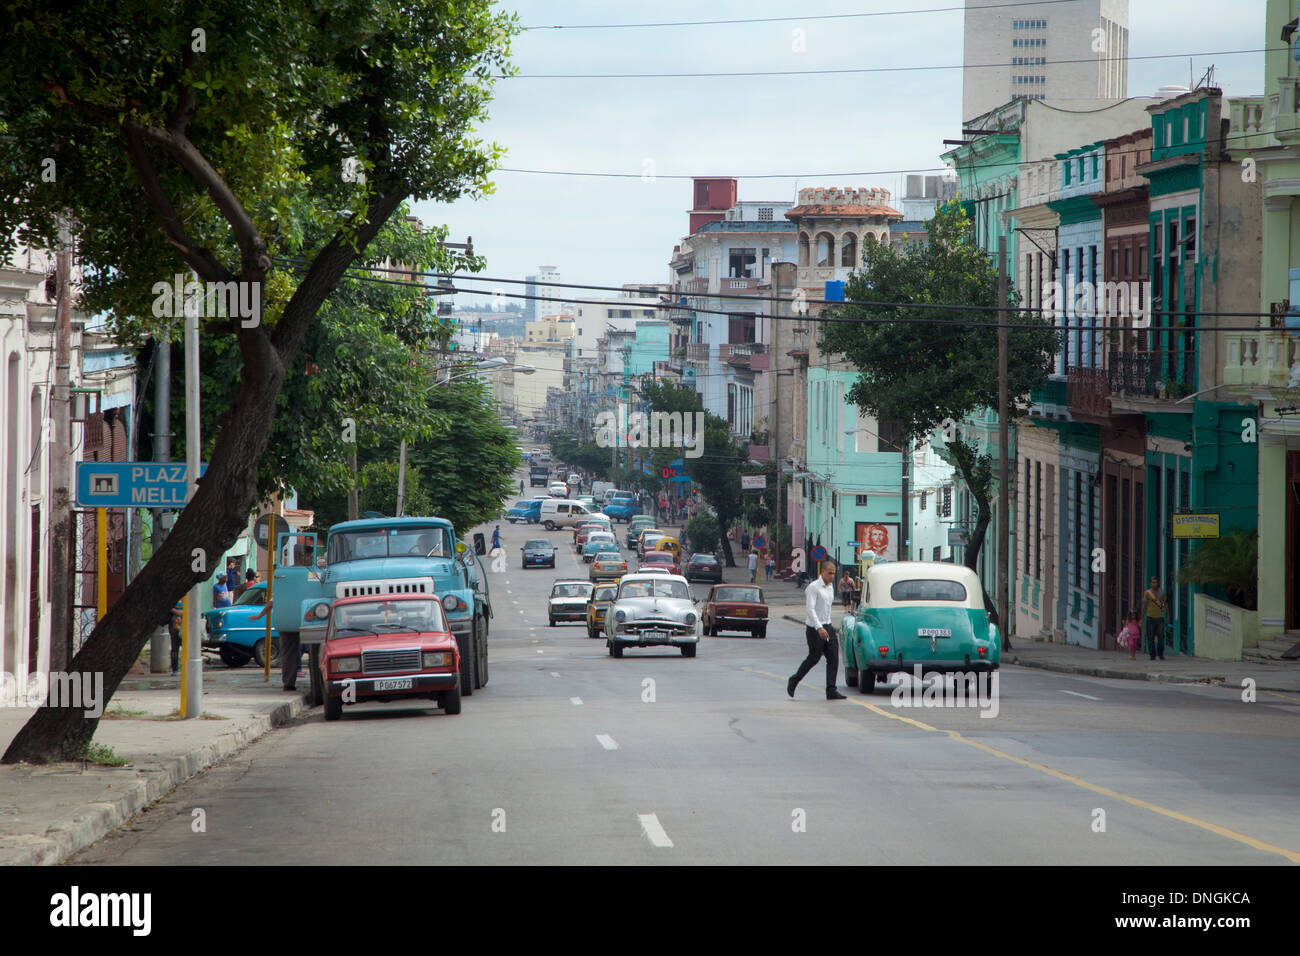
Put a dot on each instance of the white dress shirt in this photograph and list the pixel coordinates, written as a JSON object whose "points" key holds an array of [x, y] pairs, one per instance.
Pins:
{"points": [[818, 599]]}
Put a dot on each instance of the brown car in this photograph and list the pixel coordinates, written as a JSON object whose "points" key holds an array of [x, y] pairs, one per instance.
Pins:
{"points": [[735, 607]]}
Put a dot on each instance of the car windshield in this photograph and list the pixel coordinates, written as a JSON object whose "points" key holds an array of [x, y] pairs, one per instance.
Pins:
{"points": [[655, 588], [388, 615], [396, 542], [577, 589], [521, 504], [252, 596], [605, 592], [537, 544], [738, 594], [703, 559], [927, 590]]}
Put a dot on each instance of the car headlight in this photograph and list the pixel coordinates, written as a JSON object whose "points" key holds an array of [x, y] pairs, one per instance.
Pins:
{"points": [[690, 618], [451, 602], [436, 659], [321, 611], [345, 665], [620, 616]]}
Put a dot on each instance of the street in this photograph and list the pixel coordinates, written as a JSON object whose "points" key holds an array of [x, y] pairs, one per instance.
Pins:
{"points": [[571, 757]]}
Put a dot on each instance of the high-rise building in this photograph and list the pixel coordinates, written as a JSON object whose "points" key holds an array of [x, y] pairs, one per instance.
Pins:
{"points": [[1060, 52]]}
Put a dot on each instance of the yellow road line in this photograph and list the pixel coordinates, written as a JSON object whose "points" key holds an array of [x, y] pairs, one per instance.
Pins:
{"points": [[1291, 855], [1273, 693]]}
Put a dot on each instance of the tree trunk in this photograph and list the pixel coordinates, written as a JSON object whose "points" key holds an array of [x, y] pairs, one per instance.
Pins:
{"points": [[723, 523], [211, 522]]}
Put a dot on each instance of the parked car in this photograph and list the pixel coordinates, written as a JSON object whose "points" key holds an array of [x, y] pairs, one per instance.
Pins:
{"points": [[925, 613], [593, 542], [561, 513], [568, 601], [608, 564], [634, 528], [660, 559], [538, 553], [734, 607], [601, 597], [397, 646], [650, 610], [528, 510], [235, 636], [704, 567], [623, 506]]}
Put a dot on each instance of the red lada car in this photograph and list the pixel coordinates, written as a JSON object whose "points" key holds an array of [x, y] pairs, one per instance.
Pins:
{"points": [[660, 559], [387, 648], [734, 607]]}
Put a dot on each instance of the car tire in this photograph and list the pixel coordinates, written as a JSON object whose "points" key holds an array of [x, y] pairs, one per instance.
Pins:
{"points": [[316, 695], [232, 657], [550, 525], [333, 707], [449, 700], [260, 646], [761, 631], [867, 681], [480, 651], [550, 621], [615, 649], [688, 650]]}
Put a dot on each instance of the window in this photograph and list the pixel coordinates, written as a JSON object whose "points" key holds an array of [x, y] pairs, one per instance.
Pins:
{"points": [[927, 590], [741, 264], [765, 214], [849, 250], [860, 501], [924, 495], [937, 549], [946, 509]]}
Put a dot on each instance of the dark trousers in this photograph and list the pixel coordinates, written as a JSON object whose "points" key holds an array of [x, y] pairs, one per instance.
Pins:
{"points": [[175, 634], [290, 658], [816, 648], [1155, 637]]}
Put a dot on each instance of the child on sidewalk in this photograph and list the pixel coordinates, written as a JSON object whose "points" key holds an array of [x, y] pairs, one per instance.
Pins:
{"points": [[1131, 635]]}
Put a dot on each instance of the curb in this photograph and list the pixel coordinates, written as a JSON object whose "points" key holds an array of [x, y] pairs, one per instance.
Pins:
{"points": [[94, 821], [1112, 674]]}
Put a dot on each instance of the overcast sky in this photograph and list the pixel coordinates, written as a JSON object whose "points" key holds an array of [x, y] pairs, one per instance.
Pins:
{"points": [[609, 231]]}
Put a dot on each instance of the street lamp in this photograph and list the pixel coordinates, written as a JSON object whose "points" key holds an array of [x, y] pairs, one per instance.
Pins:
{"points": [[494, 364]]}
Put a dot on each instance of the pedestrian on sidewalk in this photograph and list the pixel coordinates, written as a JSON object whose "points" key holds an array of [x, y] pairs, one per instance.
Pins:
{"points": [[771, 565], [220, 593], [753, 567], [819, 598], [846, 590], [744, 540], [1131, 635], [1154, 607], [174, 632]]}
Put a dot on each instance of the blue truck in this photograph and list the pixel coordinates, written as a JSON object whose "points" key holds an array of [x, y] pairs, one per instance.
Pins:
{"points": [[409, 555]]}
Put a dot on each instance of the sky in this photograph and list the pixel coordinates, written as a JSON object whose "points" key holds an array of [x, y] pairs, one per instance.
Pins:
{"points": [[813, 129]]}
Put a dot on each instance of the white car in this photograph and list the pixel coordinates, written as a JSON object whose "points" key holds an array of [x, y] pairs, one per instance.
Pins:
{"points": [[559, 489], [650, 610]]}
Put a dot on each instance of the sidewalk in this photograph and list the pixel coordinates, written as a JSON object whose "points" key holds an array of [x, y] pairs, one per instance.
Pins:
{"points": [[47, 813], [785, 600]]}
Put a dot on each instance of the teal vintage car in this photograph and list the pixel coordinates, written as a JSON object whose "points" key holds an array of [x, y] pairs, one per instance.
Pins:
{"points": [[918, 613]]}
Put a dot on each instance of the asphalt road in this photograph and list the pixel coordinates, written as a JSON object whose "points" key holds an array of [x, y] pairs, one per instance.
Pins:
{"points": [[571, 757]]}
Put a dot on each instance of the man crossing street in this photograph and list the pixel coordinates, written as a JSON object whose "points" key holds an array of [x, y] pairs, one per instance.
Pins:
{"points": [[821, 636]]}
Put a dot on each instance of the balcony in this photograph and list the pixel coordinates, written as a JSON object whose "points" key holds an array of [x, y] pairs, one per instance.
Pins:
{"points": [[697, 286], [737, 285], [1088, 391], [1153, 375], [697, 352], [1260, 358]]}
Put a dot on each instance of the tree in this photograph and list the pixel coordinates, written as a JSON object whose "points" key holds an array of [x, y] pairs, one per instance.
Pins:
{"points": [[924, 368], [1230, 562], [716, 472], [223, 142]]}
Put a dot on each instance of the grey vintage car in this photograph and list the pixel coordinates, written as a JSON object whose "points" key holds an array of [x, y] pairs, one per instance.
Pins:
{"points": [[652, 609]]}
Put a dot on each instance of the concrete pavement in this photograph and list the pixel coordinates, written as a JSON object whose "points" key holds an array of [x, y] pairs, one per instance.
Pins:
{"points": [[47, 813]]}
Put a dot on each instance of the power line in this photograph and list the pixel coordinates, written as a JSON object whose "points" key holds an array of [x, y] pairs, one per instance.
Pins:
{"points": [[864, 303], [838, 71], [825, 16]]}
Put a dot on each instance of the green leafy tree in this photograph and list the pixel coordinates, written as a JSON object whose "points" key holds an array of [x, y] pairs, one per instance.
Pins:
{"points": [[930, 373], [1230, 562], [264, 149], [702, 533]]}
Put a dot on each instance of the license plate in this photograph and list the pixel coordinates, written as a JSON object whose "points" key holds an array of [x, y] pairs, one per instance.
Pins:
{"points": [[742, 612], [934, 632], [396, 683], [654, 635]]}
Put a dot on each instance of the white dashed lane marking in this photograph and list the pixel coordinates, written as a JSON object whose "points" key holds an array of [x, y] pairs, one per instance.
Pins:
{"points": [[654, 830], [606, 741], [575, 701], [1076, 694]]}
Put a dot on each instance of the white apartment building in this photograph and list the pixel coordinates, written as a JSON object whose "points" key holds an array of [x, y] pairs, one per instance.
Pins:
{"points": [[1065, 53]]}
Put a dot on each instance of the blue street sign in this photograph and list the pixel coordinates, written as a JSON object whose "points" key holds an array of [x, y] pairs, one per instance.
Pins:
{"points": [[818, 553], [759, 541], [132, 484]]}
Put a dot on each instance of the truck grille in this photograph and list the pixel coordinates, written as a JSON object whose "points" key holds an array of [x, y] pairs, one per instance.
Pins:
{"points": [[380, 588], [384, 662]]}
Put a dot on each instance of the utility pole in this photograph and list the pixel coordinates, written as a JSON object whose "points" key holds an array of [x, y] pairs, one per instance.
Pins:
{"points": [[61, 462], [905, 511], [401, 480], [193, 702], [1004, 509], [159, 644]]}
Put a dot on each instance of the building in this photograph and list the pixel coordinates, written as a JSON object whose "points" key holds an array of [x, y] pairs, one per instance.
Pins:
{"points": [[545, 297], [1065, 53]]}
